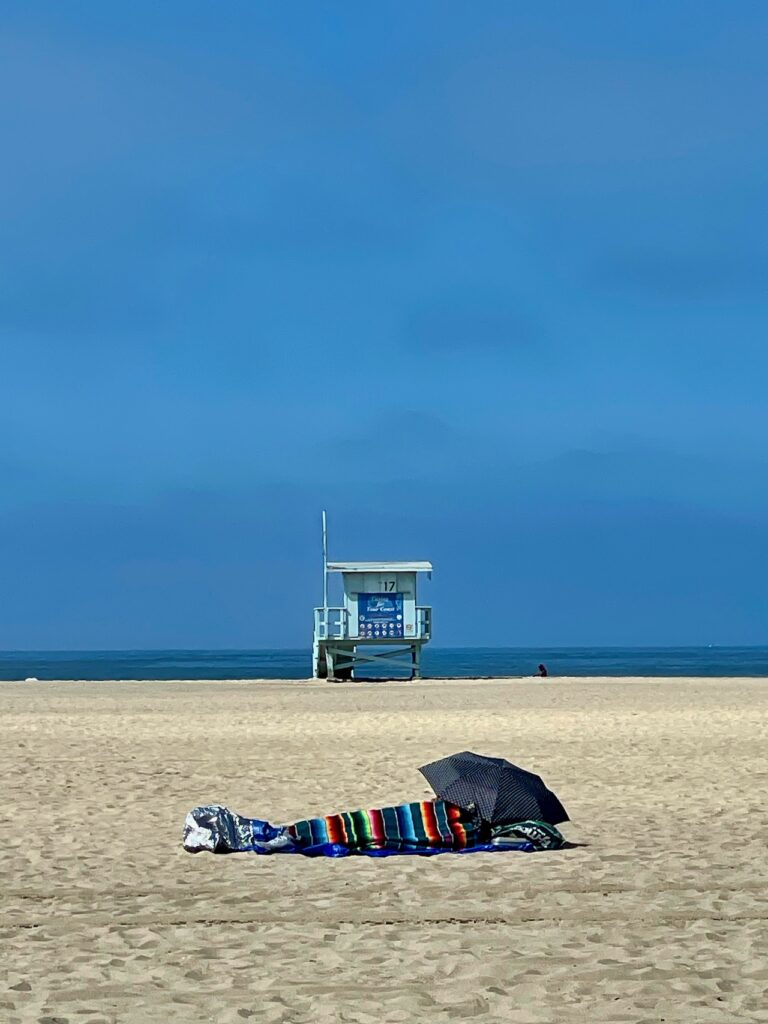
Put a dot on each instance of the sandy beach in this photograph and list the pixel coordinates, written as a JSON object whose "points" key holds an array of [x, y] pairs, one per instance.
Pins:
{"points": [[661, 916]]}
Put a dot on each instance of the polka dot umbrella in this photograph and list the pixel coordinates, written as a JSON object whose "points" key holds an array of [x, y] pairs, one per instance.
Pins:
{"points": [[496, 790]]}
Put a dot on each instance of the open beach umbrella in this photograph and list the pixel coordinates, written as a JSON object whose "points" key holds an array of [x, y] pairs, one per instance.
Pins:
{"points": [[496, 790]]}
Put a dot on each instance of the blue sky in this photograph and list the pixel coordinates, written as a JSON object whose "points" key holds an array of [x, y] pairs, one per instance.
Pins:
{"points": [[486, 281]]}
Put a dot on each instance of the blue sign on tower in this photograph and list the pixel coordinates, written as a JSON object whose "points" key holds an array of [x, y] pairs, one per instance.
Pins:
{"points": [[380, 616]]}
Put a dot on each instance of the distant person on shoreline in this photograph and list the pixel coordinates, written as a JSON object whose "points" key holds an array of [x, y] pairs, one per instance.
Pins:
{"points": [[542, 671]]}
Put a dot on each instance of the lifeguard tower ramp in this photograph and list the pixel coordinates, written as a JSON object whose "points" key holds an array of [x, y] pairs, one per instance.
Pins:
{"points": [[378, 627]]}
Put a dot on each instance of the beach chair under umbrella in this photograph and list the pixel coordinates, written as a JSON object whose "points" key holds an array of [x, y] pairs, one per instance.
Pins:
{"points": [[496, 790]]}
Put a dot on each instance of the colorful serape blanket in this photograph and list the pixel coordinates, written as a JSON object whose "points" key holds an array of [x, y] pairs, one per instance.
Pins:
{"points": [[423, 827], [424, 824]]}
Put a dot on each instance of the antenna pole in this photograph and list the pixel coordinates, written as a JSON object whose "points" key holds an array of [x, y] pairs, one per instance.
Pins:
{"points": [[325, 560]]}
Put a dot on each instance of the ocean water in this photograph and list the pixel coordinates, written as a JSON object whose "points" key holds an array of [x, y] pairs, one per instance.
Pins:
{"points": [[459, 661]]}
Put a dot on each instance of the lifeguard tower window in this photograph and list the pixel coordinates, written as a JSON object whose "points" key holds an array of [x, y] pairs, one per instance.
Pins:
{"points": [[379, 629]]}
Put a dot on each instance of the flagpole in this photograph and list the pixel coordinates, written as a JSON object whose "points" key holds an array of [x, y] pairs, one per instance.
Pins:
{"points": [[325, 560]]}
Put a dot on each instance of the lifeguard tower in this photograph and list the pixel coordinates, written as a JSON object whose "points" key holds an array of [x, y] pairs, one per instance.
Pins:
{"points": [[379, 624]]}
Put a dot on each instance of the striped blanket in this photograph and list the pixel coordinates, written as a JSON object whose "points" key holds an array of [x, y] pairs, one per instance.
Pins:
{"points": [[422, 827], [424, 824]]}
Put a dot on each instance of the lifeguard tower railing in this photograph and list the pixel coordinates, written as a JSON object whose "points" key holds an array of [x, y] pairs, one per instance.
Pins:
{"points": [[334, 624]]}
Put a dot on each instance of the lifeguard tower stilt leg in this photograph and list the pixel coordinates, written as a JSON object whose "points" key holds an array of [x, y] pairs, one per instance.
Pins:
{"points": [[378, 626], [416, 656]]}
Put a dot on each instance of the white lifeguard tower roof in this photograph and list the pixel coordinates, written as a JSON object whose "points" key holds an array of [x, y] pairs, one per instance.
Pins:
{"points": [[379, 566]]}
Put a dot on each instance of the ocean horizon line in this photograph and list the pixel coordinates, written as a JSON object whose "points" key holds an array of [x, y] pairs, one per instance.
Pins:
{"points": [[437, 662], [433, 648]]}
